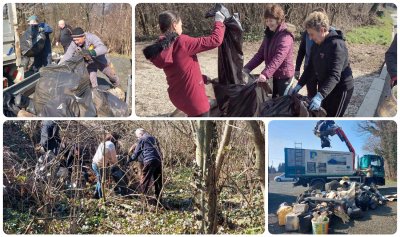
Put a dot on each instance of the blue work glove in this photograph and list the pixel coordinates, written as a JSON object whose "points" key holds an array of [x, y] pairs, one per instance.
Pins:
{"points": [[316, 102], [295, 90]]}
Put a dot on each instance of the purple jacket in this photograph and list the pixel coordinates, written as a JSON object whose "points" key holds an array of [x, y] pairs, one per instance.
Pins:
{"points": [[277, 53]]}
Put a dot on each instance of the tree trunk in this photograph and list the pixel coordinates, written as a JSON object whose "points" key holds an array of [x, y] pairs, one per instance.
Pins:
{"points": [[211, 146], [373, 9], [205, 179], [226, 138], [259, 143], [199, 174]]}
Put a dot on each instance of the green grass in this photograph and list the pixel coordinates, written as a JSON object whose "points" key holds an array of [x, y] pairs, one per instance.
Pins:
{"points": [[390, 182], [379, 34]]}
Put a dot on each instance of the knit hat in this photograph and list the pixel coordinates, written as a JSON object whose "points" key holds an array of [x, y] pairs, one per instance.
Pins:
{"points": [[33, 20], [77, 32]]}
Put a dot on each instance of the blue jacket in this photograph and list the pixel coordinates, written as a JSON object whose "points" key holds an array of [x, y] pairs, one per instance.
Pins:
{"points": [[148, 147]]}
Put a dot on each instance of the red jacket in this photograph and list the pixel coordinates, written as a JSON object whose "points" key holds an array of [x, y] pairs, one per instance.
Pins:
{"points": [[277, 53], [179, 62]]}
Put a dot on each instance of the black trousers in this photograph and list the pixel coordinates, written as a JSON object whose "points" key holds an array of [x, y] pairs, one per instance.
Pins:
{"points": [[336, 102], [279, 86], [152, 169]]}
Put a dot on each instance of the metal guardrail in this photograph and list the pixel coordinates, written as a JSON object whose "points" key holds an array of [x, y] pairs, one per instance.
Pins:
{"points": [[26, 87]]}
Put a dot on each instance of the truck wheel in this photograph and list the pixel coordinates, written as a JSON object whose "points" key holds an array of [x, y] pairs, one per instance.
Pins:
{"points": [[318, 184], [278, 180]]}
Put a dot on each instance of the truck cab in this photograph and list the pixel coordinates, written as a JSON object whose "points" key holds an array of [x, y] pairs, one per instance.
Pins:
{"points": [[377, 165]]}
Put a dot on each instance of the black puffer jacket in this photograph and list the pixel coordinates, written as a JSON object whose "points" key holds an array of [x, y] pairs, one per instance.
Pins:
{"points": [[329, 61]]}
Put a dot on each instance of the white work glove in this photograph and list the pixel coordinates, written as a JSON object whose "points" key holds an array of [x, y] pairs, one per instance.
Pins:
{"points": [[57, 43], [316, 102], [219, 17]]}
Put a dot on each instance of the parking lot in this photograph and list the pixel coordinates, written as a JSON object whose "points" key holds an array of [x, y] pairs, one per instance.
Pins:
{"points": [[382, 220]]}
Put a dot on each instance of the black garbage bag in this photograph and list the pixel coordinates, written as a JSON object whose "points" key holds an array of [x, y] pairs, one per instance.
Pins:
{"points": [[324, 129], [70, 106], [241, 100], [108, 105], [230, 53], [31, 43], [70, 79], [363, 201], [290, 106], [325, 141], [10, 109], [13, 104], [65, 90], [120, 178]]}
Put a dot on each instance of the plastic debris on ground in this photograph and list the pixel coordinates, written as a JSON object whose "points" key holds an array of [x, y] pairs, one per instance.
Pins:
{"points": [[314, 209]]}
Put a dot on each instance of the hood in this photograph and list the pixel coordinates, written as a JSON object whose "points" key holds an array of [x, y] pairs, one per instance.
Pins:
{"points": [[160, 53], [335, 34]]}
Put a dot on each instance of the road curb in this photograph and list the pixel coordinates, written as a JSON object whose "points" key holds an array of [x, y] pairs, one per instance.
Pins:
{"points": [[372, 98]]}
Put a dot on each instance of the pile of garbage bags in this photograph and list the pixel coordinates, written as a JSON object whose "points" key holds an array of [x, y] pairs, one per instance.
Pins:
{"points": [[314, 209], [290, 106], [32, 43], [65, 91], [323, 129]]}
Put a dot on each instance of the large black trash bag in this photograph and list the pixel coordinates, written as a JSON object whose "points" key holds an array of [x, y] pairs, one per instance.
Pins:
{"points": [[10, 109], [70, 78], [32, 44], [230, 53], [108, 105], [325, 128], [61, 106], [69, 85], [242, 100], [290, 106], [70, 106]]}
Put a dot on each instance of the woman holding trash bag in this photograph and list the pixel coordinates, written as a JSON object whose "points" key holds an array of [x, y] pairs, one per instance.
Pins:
{"points": [[276, 51], [175, 53], [329, 63]]}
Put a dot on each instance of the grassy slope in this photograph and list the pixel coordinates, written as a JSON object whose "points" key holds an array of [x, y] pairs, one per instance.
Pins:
{"points": [[380, 34]]}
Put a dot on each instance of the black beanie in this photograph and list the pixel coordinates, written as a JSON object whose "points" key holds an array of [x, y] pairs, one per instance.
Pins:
{"points": [[77, 32]]}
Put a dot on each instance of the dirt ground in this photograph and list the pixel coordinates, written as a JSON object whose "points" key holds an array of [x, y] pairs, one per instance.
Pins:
{"points": [[151, 97], [382, 220], [123, 68]]}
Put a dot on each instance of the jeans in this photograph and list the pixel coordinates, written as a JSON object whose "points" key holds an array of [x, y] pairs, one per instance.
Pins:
{"points": [[97, 171]]}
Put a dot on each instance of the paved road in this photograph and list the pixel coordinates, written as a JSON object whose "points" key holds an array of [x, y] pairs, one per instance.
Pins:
{"points": [[383, 220]]}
